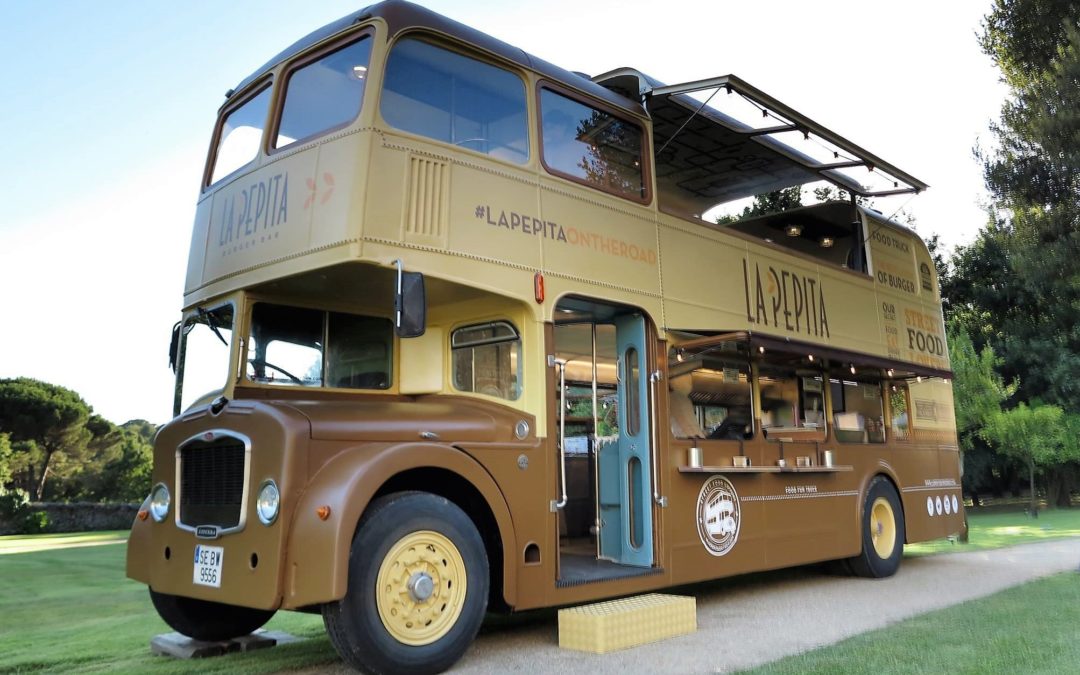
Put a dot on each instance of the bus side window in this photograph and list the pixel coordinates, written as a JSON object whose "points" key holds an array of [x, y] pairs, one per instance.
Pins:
{"points": [[857, 411], [711, 397], [455, 99], [487, 359], [900, 427], [324, 94], [591, 146], [790, 403]]}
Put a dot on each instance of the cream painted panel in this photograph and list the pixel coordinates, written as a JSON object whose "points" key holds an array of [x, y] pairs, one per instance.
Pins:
{"points": [[590, 238], [199, 241], [920, 333], [703, 279], [892, 260], [337, 190], [493, 214], [387, 182], [421, 360], [853, 311], [262, 216], [933, 406]]}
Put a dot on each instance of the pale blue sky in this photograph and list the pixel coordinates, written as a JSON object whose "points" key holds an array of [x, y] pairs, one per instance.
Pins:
{"points": [[108, 108]]}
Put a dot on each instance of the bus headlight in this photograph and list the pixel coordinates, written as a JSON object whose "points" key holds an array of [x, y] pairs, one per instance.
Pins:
{"points": [[268, 502], [159, 502]]}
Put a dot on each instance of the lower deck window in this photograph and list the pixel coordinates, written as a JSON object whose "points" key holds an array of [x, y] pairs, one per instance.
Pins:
{"points": [[857, 411], [316, 348], [711, 397], [487, 359], [792, 403]]}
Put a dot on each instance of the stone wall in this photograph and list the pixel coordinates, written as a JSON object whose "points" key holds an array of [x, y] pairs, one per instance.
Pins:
{"points": [[80, 517]]}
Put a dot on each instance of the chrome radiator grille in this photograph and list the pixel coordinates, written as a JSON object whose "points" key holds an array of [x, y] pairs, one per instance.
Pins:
{"points": [[212, 482]]}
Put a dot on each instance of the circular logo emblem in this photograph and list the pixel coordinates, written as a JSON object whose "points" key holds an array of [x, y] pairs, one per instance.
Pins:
{"points": [[718, 515]]}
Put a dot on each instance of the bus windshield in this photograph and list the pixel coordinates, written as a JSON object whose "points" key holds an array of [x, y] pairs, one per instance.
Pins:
{"points": [[315, 348], [204, 358]]}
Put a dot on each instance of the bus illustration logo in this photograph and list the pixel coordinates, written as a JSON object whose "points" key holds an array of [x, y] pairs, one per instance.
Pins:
{"points": [[718, 515]]}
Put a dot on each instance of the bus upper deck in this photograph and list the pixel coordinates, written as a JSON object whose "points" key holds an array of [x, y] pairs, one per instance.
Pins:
{"points": [[398, 134]]}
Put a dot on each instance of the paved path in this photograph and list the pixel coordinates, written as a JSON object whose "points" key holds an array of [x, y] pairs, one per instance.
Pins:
{"points": [[754, 620]]}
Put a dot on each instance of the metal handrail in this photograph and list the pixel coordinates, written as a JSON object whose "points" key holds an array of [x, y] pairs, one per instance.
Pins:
{"points": [[653, 379], [561, 363]]}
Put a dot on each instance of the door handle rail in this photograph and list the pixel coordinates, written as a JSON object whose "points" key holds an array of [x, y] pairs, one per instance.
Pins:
{"points": [[654, 378], [557, 504]]}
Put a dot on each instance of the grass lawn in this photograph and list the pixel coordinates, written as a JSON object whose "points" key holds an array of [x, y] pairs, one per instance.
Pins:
{"points": [[71, 610], [996, 529], [1027, 629], [65, 606]]}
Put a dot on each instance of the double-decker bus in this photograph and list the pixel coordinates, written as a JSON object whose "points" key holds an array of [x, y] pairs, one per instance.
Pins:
{"points": [[457, 335]]}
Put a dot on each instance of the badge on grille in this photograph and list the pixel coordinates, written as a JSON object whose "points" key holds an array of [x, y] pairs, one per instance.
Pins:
{"points": [[206, 532]]}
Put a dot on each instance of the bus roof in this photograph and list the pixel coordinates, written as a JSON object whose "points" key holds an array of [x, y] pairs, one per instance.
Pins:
{"points": [[401, 15], [712, 155]]}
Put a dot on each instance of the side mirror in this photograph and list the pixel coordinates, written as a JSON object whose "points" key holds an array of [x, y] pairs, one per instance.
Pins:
{"points": [[410, 304], [174, 346]]}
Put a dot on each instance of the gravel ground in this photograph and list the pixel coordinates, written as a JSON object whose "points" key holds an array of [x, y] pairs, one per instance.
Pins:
{"points": [[749, 621]]}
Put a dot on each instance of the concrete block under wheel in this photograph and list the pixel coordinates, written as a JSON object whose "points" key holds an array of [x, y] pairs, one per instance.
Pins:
{"points": [[618, 624], [182, 647]]}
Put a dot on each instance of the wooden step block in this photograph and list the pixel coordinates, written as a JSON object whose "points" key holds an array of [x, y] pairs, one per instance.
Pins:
{"points": [[618, 624]]}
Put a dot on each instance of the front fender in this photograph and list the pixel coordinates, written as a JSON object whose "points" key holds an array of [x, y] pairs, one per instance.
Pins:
{"points": [[317, 559]]}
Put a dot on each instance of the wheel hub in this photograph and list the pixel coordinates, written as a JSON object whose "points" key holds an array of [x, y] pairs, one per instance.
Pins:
{"points": [[420, 586]]}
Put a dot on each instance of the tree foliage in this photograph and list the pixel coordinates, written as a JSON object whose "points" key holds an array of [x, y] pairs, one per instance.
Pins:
{"points": [[1013, 295], [769, 202], [48, 424], [52, 446]]}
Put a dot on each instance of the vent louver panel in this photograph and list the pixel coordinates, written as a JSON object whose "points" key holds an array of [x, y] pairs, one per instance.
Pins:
{"points": [[427, 209]]}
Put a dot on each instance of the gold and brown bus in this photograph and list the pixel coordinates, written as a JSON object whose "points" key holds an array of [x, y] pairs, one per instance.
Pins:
{"points": [[457, 336]]}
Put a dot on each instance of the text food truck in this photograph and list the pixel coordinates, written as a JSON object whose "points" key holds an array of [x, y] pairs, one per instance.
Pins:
{"points": [[456, 337]]}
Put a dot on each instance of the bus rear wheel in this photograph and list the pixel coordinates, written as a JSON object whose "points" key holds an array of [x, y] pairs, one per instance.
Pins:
{"points": [[882, 532], [417, 590], [207, 620]]}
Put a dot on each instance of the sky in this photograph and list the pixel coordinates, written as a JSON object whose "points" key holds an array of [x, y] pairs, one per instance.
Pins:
{"points": [[109, 106]]}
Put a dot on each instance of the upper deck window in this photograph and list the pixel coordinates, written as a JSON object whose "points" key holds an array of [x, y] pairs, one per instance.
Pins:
{"points": [[240, 135], [324, 94], [456, 99], [591, 146]]}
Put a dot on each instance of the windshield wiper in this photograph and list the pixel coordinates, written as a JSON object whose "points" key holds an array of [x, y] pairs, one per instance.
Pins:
{"points": [[209, 316]]}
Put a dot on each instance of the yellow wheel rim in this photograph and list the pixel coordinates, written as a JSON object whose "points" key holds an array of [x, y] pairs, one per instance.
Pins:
{"points": [[883, 527], [421, 588]]}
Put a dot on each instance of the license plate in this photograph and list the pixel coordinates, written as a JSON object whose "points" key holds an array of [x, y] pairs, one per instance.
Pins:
{"points": [[208, 565]]}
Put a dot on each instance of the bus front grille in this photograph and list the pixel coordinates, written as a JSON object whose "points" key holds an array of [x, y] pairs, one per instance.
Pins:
{"points": [[212, 482]]}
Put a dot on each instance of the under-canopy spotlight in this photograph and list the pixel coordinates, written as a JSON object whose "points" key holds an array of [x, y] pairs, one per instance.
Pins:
{"points": [[793, 230], [826, 242]]}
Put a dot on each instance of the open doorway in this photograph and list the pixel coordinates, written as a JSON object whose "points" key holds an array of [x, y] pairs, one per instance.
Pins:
{"points": [[605, 528]]}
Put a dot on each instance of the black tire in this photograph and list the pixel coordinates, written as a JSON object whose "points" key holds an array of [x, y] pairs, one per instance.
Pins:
{"points": [[880, 556], [395, 528], [206, 620]]}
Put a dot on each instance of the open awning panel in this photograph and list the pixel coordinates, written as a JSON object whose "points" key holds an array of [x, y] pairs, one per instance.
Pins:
{"points": [[718, 152]]}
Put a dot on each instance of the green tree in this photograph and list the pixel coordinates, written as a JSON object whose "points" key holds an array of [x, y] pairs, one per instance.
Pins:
{"points": [[1034, 176], [979, 393], [5, 460], [48, 425], [1038, 435], [769, 202]]}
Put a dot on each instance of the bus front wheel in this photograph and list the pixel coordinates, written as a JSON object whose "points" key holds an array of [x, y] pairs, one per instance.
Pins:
{"points": [[882, 532], [417, 589], [207, 620]]}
